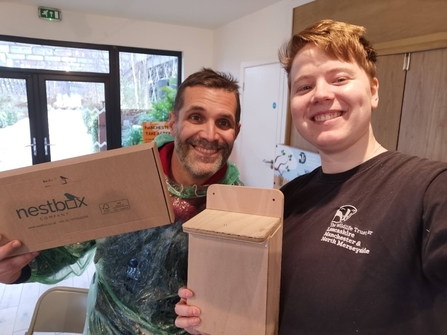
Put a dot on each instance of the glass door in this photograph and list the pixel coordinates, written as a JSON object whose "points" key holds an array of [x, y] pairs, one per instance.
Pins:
{"points": [[16, 146], [46, 118], [76, 118]]}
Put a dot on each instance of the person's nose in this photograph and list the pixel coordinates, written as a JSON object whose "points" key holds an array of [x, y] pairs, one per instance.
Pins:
{"points": [[322, 92], [210, 132]]}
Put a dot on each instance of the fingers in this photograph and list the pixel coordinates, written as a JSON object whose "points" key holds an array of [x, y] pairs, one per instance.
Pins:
{"points": [[188, 316], [184, 293], [182, 309], [189, 320], [11, 267]]}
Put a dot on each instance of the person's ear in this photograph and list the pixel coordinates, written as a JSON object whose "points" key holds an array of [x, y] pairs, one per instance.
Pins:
{"points": [[172, 121], [237, 130], [374, 93]]}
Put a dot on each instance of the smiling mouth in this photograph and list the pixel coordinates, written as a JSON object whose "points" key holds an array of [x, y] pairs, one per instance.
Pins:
{"points": [[206, 151], [327, 116]]}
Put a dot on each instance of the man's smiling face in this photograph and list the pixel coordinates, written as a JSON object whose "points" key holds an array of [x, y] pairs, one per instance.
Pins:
{"points": [[331, 100], [204, 132]]}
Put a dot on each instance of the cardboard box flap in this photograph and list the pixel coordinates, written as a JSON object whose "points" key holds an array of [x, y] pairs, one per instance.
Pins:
{"points": [[84, 198], [239, 226]]}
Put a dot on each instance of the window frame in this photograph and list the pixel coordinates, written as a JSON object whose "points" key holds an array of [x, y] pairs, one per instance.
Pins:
{"points": [[113, 101]]}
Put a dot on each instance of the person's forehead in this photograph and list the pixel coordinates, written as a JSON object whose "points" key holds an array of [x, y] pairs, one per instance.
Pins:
{"points": [[215, 99], [209, 95], [315, 56]]}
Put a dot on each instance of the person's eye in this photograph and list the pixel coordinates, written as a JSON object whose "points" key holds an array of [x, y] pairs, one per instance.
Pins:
{"points": [[340, 79], [224, 124], [195, 118], [303, 89]]}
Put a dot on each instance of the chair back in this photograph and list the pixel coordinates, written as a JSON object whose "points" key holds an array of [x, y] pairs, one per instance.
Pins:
{"points": [[60, 309]]}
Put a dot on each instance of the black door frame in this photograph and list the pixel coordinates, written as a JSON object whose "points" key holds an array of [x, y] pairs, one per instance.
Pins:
{"points": [[37, 104], [112, 78]]}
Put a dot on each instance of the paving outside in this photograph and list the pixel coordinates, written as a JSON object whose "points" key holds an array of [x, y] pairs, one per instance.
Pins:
{"points": [[68, 137]]}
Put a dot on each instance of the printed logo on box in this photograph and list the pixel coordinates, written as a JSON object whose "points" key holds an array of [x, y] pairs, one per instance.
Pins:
{"points": [[52, 206], [114, 206]]}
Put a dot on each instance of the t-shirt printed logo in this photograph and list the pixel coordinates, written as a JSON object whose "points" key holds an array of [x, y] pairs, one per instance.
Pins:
{"points": [[343, 235]]}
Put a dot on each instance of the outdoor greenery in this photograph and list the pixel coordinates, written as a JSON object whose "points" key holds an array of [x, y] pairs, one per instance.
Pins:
{"points": [[90, 118], [161, 108], [10, 112], [159, 112]]}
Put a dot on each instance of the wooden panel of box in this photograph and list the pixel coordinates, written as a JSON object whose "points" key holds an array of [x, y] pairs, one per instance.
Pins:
{"points": [[234, 266]]}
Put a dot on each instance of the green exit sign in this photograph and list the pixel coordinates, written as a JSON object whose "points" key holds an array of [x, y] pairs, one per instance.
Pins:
{"points": [[51, 14]]}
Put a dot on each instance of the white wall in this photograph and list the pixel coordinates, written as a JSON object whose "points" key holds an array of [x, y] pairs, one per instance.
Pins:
{"points": [[196, 44], [254, 38]]}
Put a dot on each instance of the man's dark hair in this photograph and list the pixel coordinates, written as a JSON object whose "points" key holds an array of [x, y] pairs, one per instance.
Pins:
{"points": [[212, 79]]}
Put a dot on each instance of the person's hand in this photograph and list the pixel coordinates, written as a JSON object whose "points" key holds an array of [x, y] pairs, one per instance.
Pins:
{"points": [[188, 316], [11, 268]]}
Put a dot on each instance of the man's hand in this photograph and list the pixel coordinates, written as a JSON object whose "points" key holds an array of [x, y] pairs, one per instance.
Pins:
{"points": [[11, 268], [188, 316]]}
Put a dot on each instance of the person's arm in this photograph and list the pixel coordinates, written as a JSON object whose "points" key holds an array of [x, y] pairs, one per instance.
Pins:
{"points": [[434, 251], [15, 269], [47, 266], [188, 315]]}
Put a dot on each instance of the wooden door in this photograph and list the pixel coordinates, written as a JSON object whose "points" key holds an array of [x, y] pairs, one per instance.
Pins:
{"points": [[423, 130], [386, 117]]}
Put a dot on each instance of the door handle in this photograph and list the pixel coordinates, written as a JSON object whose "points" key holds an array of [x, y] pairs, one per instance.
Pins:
{"points": [[268, 162], [46, 144], [34, 146]]}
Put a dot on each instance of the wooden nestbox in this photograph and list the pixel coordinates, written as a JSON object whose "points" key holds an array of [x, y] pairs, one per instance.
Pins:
{"points": [[234, 265]]}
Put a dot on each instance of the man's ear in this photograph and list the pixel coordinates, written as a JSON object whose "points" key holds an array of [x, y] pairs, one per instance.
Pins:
{"points": [[237, 130], [172, 120], [374, 93]]}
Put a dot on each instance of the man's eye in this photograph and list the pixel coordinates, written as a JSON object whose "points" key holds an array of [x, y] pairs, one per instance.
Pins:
{"points": [[340, 79], [224, 124], [303, 89], [195, 117]]}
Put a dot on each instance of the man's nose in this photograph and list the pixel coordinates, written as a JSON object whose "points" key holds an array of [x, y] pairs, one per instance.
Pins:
{"points": [[210, 132], [322, 92]]}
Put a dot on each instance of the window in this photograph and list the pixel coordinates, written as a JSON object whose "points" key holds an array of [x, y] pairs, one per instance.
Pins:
{"points": [[114, 89], [145, 81]]}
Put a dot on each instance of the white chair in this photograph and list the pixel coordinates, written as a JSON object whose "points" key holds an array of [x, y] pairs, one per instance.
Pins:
{"points": [[60, 309]]}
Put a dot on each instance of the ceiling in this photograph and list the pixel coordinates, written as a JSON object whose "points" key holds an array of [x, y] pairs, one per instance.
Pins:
{"points": [[208, 14]]}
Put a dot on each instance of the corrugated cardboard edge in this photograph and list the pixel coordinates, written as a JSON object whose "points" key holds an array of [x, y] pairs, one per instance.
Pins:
{"points": [[164, 185]]}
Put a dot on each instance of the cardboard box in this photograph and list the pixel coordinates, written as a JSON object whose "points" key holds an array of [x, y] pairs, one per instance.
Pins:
{"points": [[234, 260], [84, 198]]}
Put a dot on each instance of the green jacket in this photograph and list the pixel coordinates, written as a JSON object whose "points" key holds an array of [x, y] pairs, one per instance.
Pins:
{"points": [[134, 289]]}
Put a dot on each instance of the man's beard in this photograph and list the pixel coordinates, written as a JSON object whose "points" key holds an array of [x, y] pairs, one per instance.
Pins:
{"points": [[194, 163]]}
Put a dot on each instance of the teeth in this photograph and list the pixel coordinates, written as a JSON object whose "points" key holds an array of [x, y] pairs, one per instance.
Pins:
{"points": [[206, 151], [327, 116]]}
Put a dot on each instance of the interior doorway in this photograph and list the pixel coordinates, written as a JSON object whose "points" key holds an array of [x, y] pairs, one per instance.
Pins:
{"points": [[263, 119]]}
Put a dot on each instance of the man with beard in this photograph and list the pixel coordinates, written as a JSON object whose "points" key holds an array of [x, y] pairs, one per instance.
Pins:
{"points": [[138, 274]]}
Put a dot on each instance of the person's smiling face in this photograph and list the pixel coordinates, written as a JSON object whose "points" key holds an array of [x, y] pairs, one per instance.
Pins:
{"points": [[331, 100], [204, 132]]}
